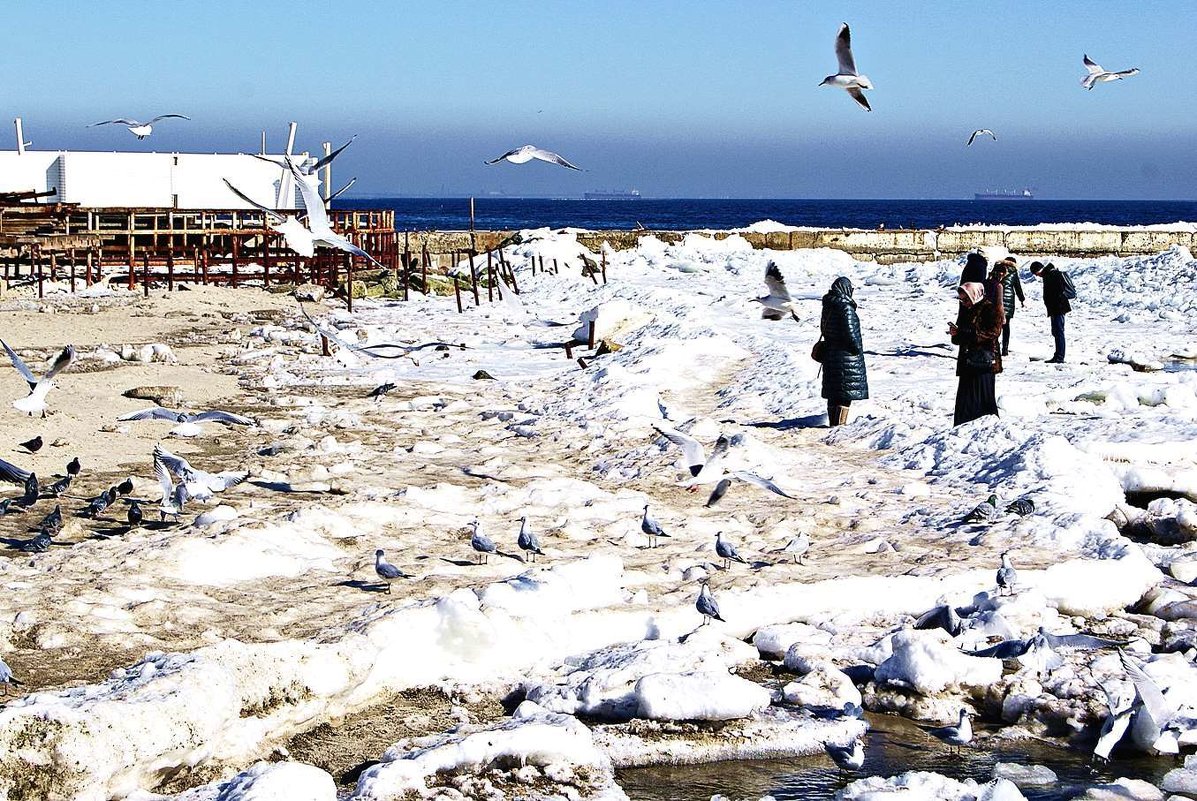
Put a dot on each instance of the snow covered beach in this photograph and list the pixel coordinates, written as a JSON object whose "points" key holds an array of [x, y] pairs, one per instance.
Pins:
{"points": [[268, 624]]}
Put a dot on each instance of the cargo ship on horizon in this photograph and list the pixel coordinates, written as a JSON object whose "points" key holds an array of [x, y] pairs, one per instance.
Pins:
{"points": [[1025, 194], [631, 194]]}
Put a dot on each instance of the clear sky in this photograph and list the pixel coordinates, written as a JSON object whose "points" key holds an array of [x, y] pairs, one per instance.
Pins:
{"points": [[677, 99]]}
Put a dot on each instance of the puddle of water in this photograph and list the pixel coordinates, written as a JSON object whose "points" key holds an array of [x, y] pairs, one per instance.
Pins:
{"points": [[1180, 365], [892, 746]]}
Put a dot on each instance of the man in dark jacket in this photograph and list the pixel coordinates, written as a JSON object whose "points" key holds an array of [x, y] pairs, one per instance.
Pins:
{"points": [[842, 354], [1055, 298]]}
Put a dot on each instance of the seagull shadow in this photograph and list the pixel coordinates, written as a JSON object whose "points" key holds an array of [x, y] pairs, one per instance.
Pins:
{"points": [[461, 562], [365, 586], [915, 351], [789, 424]]}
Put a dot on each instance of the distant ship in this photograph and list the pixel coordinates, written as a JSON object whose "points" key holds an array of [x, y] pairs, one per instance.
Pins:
{"points": [[1023, 195], [632, 194]]}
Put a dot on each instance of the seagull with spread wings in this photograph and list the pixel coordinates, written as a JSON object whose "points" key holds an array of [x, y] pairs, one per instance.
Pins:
{"points": [[980, 132], [1098, 74], [778, 302], [39, 388], [522, 155], [140, 129], [847, 78]]}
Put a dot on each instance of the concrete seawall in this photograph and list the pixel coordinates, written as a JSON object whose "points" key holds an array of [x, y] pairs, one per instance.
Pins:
{"points": [[884, 246]]}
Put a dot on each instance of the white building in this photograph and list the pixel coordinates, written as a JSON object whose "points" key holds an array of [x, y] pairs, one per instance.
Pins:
{"points": [[162, 180]]}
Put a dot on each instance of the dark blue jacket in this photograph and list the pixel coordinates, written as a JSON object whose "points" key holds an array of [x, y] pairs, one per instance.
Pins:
{"points": [[844, 376]]}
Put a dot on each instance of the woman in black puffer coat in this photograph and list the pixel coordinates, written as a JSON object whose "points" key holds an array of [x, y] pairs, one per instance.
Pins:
{"points": [[844, 378]]}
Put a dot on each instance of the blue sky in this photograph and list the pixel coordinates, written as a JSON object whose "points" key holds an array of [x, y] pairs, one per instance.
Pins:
{"points": [[699, 99]]}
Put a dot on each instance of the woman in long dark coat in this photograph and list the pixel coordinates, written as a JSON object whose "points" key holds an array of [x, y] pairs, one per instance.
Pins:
{"points": [[980, 359], [844, 378]]}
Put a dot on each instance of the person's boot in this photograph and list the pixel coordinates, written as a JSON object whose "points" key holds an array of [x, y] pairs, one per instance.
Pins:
{"points": [[832, 415], [841, 413]]}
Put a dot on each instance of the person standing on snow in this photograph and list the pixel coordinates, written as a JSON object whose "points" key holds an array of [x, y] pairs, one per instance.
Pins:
{"points": [[841, 352], [1005, 273], [1057, 292]]}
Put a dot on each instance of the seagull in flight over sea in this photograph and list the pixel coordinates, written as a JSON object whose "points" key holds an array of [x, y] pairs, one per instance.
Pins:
{"points": [[139, 129], [847, 77], [778, 302], [526, 153], [1098, 74], [981, 132], [35, 401]]}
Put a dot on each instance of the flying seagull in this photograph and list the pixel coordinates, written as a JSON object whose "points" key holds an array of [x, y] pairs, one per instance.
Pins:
{"points": [[173, 495], [200, 485], [317, 215], [385, 570], [981, 132], [526, 153], [778, 302], [295, 233], [1121, 708], [12, 474], [710, 469], [35, 401], [847, 78], [189, 422], [1097, 74], [139, 129], [1153, 725]]}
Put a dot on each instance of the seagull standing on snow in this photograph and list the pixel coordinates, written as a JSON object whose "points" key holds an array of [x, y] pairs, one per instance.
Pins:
{"points": [[522, 155], [140, 129], [481, 543], [651, 528], [1007, 576], [707, 606], [727, 551], [981, 132], [1097, 74], [527, 540], [798, 546], [35, 401], [778, 302], [385, 570], [846, 78]]}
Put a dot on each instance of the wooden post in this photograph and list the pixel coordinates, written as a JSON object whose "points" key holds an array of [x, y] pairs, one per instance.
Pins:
{"points": [[35, 254], [406, 272], [590, 335], [170, 263], [457, 292], [204, 256], [349, 282], [53, 266], [267, 259], [323, 345], [604, 266], [145, 273], [235, 252], [532, 261], [424, 268], [132, 257], [474, 282], [490, 278], [515, 285], [72, 271], [90, 258]]}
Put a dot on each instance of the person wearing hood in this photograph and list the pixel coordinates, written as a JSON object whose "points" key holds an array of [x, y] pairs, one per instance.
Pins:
{"points": [[841, 352], [977, 333], [975, 269], [1057, 291], [1005, 274]]}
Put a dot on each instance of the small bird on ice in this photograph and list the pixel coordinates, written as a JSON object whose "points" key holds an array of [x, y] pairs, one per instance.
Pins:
{"points": [[651, 528], [778, 302], [847, 78], [707, 606], [846, 757], [34, 445], [522, 155], [984, 512], [385, 570], [958, 735], [1097, 74], [981, 132], [481, 543], [140, 129], [35, 401], [798, 546], [1021, 507], [1007, 576], [727, 551], [527, 540], [135, 515]]}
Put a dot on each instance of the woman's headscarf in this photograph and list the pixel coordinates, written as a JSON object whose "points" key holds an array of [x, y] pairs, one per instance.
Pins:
{"points": [[842, 286], [974, 291]]}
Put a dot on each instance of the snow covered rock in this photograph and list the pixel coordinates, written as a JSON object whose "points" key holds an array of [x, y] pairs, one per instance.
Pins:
{"points": [[774, 641], [270, 781], [1123, 790], [923, 786], [611, 319], [929, 664], [824, 686], [705, 695], [484, 761], [1025, 775], [605, 683]]}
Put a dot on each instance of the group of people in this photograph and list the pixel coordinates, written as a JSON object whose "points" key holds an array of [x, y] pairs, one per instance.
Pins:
{"points": [[988, 300]]}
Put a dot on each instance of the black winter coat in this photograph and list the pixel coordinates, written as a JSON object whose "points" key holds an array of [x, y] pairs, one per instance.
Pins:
{"points": [[1011, 289], [844, 376], [1053, 292]]}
